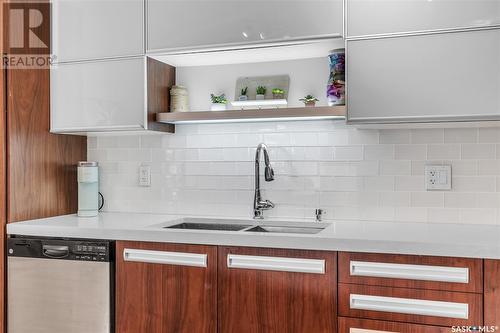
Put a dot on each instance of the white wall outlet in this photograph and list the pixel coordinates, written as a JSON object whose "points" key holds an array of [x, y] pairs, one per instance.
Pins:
{"points": [[438, 177], [145, 175]]}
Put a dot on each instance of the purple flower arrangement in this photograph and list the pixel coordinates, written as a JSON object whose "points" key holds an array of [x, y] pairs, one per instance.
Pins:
{"points": [[335, 92]]}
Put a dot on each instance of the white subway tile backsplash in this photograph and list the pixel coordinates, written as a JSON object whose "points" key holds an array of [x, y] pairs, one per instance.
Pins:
{"points": [[395, 136], [379, 152], [460, 135], [443, 215], [443, 152], [348, 153], [478, 151], [489, 135], [434, 135], [427, 199], [474, 184], [208, 169], [410, 152], [395, 168]]}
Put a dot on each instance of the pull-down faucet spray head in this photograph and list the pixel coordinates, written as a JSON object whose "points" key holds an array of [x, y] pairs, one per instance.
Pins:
{"points": [[260, 205]]}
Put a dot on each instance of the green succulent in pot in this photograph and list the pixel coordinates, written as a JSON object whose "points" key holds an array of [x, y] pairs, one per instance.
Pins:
{"points": [[309, 100], [278, 93], [261, 92]]}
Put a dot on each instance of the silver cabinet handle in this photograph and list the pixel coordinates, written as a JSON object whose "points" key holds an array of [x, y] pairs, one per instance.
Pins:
{"points": [[165, 258], [410, 306], [411, 272], [299, 265]]}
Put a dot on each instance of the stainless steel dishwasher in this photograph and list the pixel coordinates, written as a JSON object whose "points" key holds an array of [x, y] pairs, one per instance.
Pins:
{"points": [[59, 285]]}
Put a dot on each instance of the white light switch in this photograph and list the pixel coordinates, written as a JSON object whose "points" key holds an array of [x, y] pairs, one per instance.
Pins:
{"points": [[145, 175], [438, 177]]}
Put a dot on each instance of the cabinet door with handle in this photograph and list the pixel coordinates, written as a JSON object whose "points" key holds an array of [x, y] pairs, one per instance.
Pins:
{"points": [[98, 95], [401, 79], [355, 325], [377, 17], [201, 24], [276, 290], [163, 287], [94, 29]]}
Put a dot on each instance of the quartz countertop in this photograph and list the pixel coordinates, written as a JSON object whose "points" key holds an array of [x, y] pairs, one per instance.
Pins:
{"points": [[454, 240]]}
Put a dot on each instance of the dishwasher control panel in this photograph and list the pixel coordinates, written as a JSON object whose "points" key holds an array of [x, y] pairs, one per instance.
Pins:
{"points": [[63, 249], [90, 252]]}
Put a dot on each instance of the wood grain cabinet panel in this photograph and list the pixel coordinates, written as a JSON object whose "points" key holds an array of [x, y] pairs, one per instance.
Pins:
{"points": [[355, 325], [162, 288], [492, 293], [429, 307], [267, 290], [408, 271]]}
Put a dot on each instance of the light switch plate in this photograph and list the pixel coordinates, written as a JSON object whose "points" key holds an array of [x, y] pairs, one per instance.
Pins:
{"points": [[145, 175], [438, 177]]}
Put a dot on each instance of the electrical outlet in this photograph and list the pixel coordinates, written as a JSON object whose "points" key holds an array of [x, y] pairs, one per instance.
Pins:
{"points": [[438, 177], [145, 175]]}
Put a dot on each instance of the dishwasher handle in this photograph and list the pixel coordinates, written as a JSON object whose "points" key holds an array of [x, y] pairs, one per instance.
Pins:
{"points": [[55, 251]]}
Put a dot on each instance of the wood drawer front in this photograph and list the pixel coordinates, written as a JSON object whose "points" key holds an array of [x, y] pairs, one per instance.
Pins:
{"points": [[355, 325], [430, 307], [406, 271]]}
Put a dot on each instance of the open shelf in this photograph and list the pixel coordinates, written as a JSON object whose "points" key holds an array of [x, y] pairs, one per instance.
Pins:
{"points": [[281, 114]]}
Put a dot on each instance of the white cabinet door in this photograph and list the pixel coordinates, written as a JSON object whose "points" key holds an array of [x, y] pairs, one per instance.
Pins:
{"points": [[98, 96], [373, 17], [452, 76], [96, 29], [198, 24]]}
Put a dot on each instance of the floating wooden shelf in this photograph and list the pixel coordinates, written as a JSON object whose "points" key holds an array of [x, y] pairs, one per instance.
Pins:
{"points": [[281, 114]]}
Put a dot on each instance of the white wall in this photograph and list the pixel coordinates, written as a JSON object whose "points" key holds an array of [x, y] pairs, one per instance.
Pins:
{"points": [[353, 174], [307, 76]]}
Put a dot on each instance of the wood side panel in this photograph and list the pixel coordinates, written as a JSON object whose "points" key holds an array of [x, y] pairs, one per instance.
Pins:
{"points": [[260, 301], [374, 326], [41, 166], [160, 78], [3, 171], [475, 267], [157, 298], [492, 293], [475, 302]]}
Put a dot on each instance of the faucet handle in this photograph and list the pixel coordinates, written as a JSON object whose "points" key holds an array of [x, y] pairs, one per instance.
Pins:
{"points": [[265, 204], [319, 214]]}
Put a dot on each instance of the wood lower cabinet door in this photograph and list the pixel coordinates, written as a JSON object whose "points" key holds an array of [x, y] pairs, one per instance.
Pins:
{"points": [[276, 290], [165, 288], [492, 293], [428, 307], [355, 325]]}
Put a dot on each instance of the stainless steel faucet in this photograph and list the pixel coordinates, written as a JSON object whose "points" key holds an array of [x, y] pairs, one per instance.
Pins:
{"points": [[260, 205]]}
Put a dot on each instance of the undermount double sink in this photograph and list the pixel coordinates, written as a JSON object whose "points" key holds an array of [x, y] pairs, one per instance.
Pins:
{"points": [[229, 225]]}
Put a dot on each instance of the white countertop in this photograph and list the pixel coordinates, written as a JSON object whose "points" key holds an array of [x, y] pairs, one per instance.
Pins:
{"points": [[455, 240]]}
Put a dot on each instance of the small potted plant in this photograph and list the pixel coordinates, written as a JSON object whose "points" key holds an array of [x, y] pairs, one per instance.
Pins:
{"points": [[309, 100], [261, 93], [218, 102], [278, 93], [243, 94]]}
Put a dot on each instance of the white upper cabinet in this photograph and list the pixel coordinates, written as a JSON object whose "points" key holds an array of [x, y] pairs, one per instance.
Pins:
{"points": [[98, 96], [421, 78], [96, 29], [201, 24], [376, 17]]}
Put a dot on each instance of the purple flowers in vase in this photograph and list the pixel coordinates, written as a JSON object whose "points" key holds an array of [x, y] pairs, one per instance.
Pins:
{"points": [[335, 92]]}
